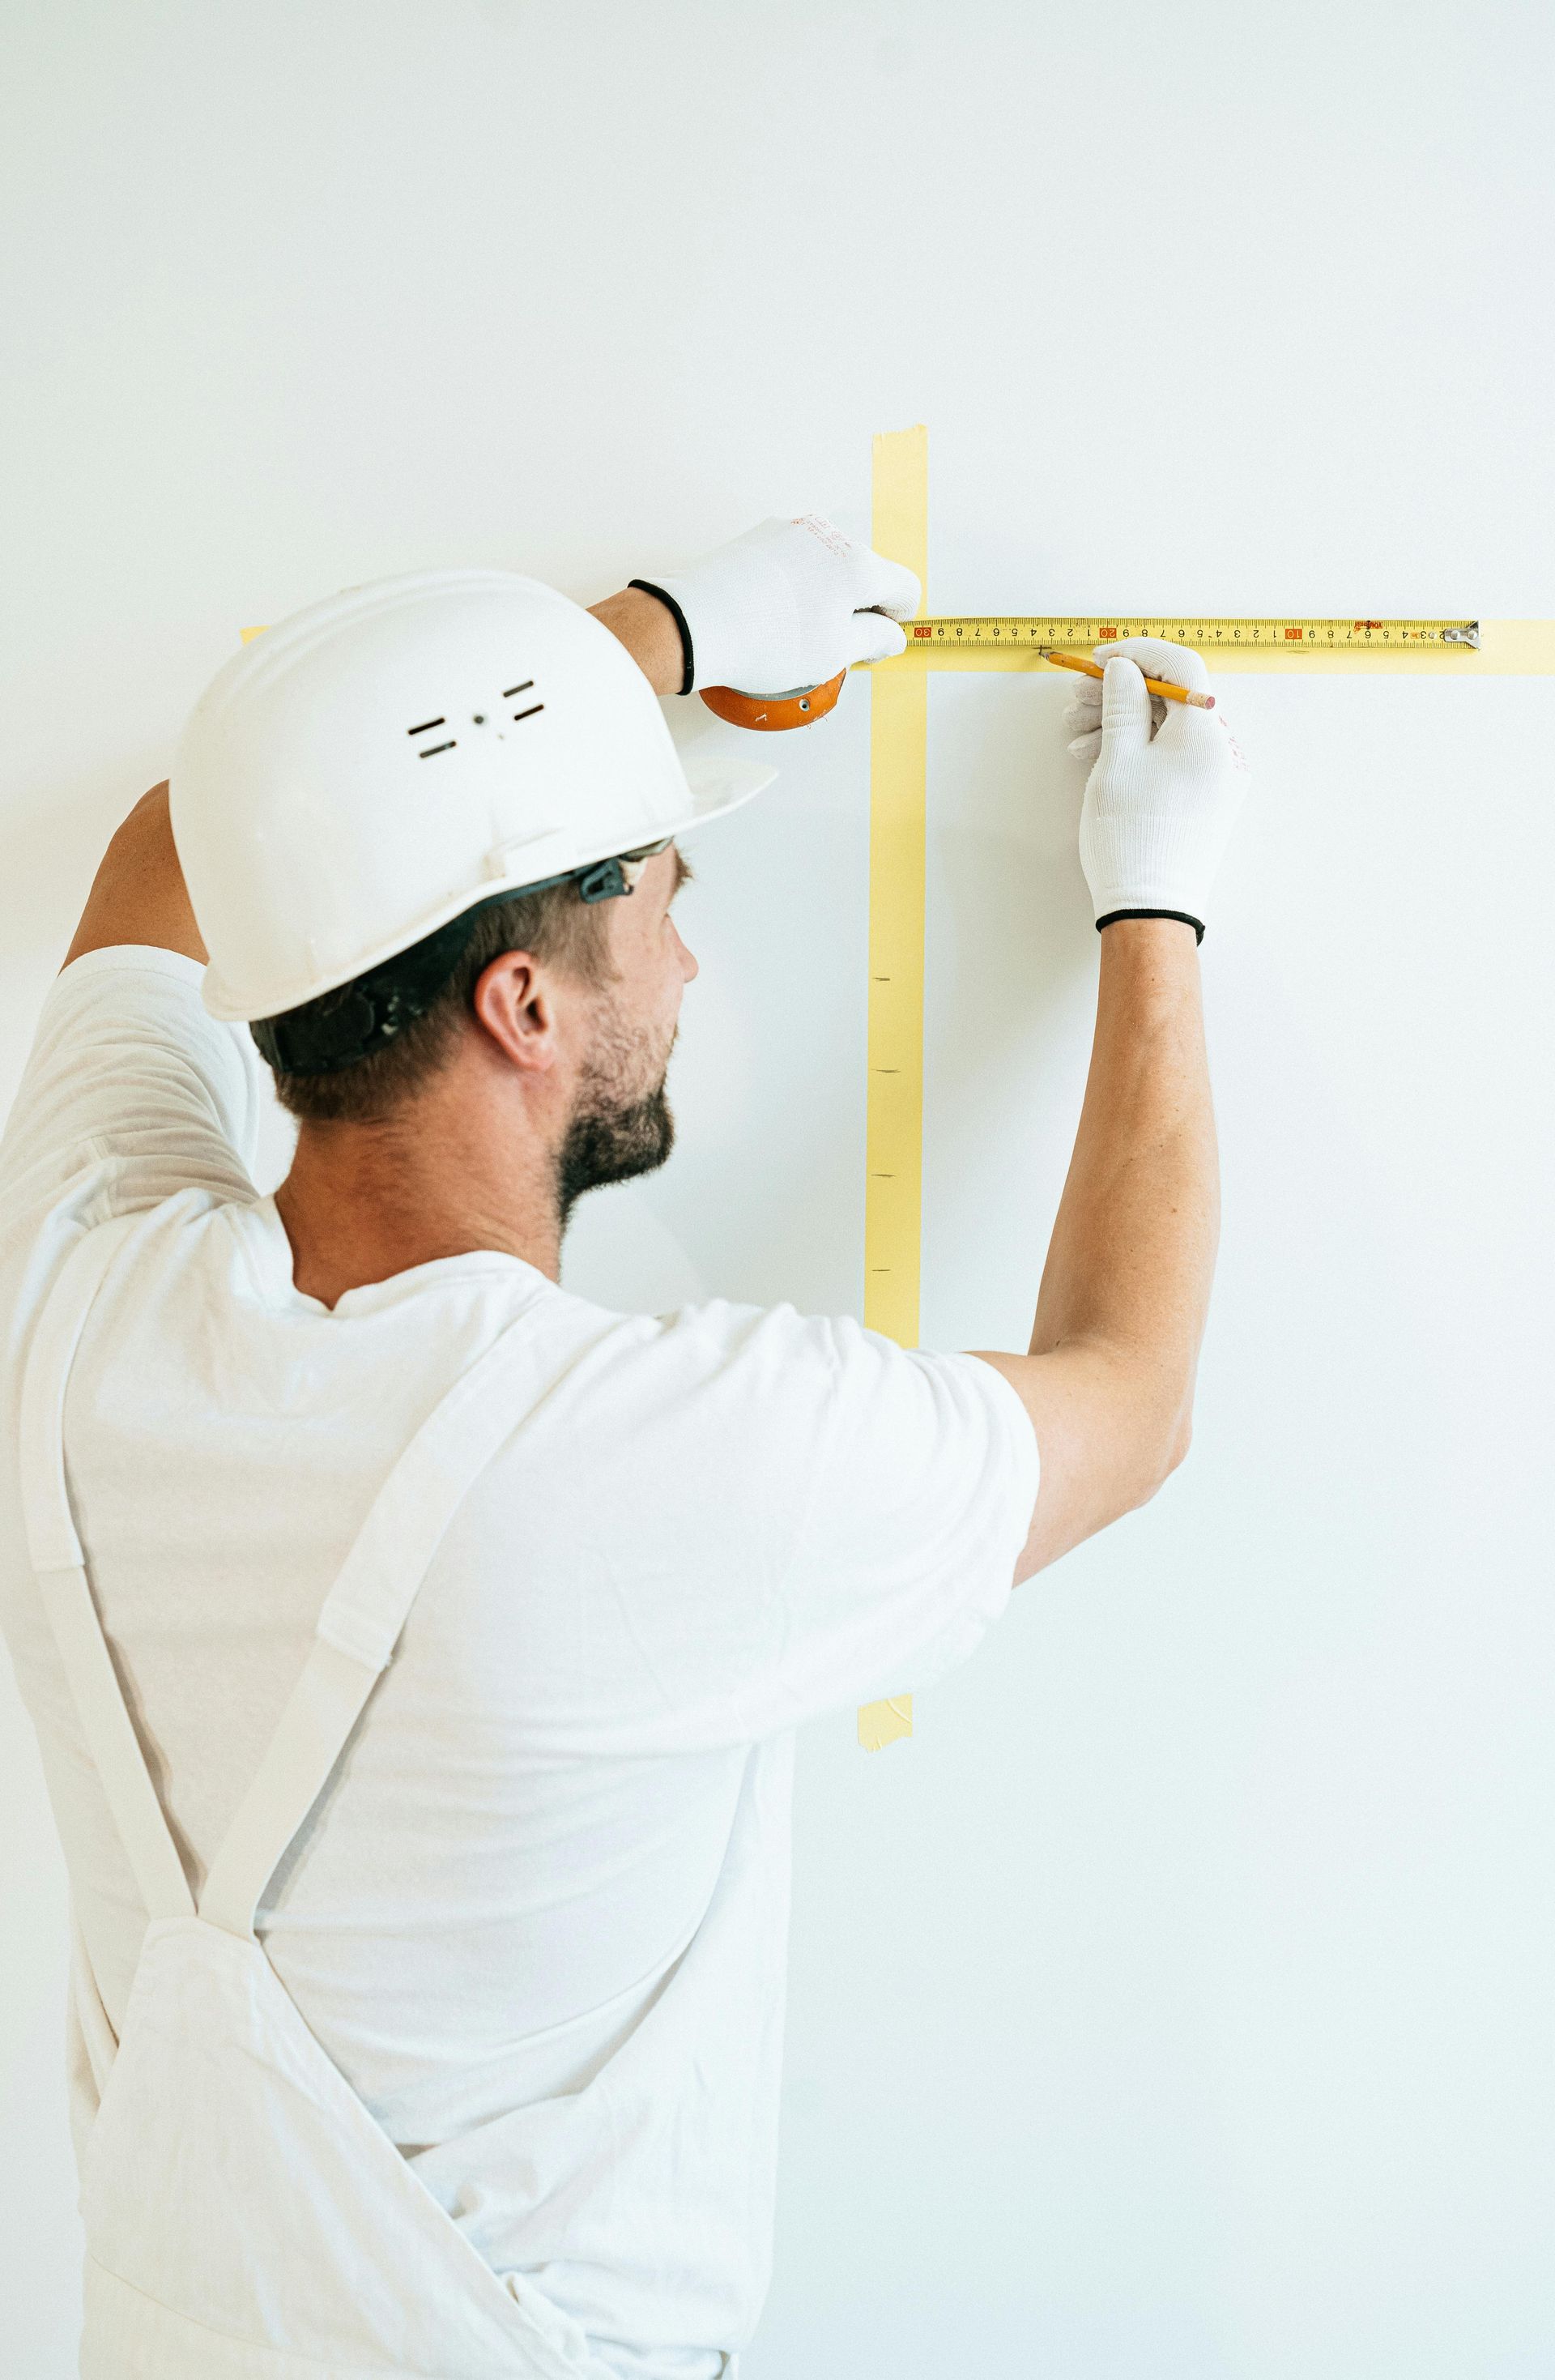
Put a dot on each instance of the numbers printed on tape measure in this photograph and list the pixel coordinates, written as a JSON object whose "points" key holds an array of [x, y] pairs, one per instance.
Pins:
{"points": [[1289, 635]]}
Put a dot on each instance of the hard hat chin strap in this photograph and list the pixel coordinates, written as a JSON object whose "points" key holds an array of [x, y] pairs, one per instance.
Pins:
{"points": [[333, 1031]]}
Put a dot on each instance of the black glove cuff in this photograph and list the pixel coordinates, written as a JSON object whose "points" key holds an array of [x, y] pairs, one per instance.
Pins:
{"points": [[689, 659], [1178, 916]]}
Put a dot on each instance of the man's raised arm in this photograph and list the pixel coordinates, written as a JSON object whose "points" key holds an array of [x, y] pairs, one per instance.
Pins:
{"points": [[1109, 1379]]}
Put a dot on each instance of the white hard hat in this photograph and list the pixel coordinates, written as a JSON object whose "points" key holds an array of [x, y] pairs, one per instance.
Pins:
{"points": [[380, 762]]}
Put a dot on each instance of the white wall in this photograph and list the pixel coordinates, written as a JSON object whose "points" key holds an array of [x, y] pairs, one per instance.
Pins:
{"points": [[1177, 2003]]}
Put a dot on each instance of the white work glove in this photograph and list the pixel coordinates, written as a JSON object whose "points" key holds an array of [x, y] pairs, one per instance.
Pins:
{"points": [[1165, 785], [788, 604]]}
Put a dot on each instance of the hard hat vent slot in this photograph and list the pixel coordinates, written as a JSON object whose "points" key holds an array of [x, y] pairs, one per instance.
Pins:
{"points": [[433, 750]]}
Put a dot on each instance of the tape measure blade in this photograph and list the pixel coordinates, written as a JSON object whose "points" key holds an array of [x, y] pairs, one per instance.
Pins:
{"points": [[1017, 642]]}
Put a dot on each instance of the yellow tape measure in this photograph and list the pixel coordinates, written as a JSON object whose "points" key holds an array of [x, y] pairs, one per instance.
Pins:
{"points": [[999, 642], [1288, 637]]}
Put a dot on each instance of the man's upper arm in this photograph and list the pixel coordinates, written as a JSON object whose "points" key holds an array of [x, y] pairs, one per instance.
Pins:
{"points": [[139, 895], [793, 1516], [914, 1479], [131, 1094], [1084, 1400]]}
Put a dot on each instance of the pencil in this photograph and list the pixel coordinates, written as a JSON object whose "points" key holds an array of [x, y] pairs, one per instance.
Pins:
{"points": [[1161, 685]]}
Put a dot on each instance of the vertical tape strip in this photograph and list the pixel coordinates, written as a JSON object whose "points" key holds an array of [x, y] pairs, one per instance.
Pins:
{"points": [[893, 1128]]}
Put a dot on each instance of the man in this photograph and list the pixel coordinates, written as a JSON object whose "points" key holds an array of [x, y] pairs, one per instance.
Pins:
{"points": [[415, 1648]]}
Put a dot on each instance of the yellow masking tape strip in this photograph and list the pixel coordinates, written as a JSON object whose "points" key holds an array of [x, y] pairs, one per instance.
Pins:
{"points": [[894, 1109]]}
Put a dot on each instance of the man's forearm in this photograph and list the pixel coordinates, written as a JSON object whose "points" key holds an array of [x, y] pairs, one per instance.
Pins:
{"points": [[1133, 1250], [1109, 1382], [651, 634]]}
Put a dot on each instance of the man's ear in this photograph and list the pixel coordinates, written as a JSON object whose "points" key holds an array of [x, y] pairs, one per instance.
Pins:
{"points": [[513, 1006]]}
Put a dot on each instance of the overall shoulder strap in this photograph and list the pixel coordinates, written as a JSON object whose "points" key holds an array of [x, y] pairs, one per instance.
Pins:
{"points": [[367, 1607], [60, 1566]]}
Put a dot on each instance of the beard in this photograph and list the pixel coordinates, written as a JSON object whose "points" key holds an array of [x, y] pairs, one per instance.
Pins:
{"points": [[617, 1130]]}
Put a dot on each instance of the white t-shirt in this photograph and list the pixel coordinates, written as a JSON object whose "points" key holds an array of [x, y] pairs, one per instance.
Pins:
{"points": [[537, 1917]]}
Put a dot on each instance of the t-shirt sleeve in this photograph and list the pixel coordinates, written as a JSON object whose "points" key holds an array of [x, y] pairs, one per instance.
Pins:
{"points": [[132, 1093], [922, 1485], [815, 1517]]}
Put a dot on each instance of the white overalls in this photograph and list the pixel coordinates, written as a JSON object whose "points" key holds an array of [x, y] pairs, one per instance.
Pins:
{"points": [[245, 2218]]}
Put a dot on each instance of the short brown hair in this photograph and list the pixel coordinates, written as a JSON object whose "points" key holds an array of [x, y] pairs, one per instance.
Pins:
{"points": [[556, 925]]}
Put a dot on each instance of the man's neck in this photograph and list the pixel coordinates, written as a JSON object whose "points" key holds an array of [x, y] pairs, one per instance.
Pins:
{"points": [[442, 1178]]}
